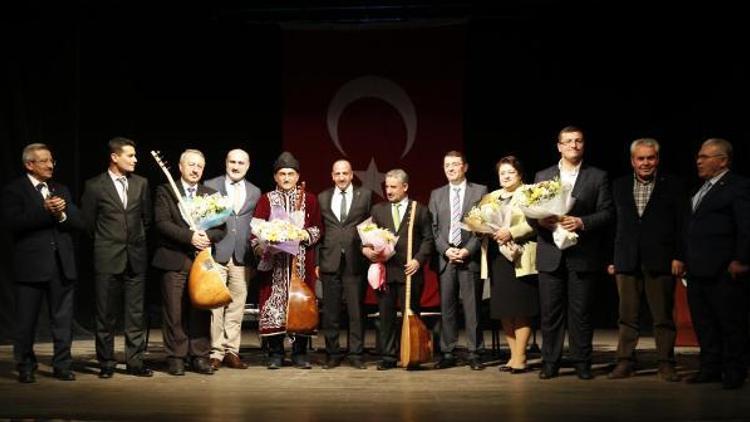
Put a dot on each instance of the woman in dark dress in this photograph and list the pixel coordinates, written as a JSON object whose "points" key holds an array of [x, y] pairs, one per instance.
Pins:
{"points": [[515, 293]]}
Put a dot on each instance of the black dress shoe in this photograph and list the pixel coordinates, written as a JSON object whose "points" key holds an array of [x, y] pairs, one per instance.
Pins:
{"points": [[475, 364], [26, 377], [583, 371], [331, 363], [516, 371], [106, 372], [385, 365], [445, 362], [176, 367], [202, 366], [64, 374], [357, 363], [548, 372], [704, 377], [504, 368], [140, 371]]}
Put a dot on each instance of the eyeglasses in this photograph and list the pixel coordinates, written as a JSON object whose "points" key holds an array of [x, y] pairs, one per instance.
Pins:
{"points": [[45, 161], [571, 141], [706, 156]]}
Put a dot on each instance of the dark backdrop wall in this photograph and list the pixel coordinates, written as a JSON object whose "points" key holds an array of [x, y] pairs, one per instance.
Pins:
{"points": [[211, 79]]}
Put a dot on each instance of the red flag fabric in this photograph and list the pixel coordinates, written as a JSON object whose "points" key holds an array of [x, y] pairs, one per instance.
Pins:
{"points": [[383, 98]]}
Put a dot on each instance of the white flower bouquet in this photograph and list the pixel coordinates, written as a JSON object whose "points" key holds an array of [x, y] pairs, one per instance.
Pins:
{"points": [[545, 199], [281, 233], [208, 211], [383, 242]]}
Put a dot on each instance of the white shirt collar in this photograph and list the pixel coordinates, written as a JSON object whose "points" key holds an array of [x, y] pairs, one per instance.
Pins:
{"points": [[461, 186], [563, 170], [113, 176], [34, 180], [349, 189], [716, 178]]}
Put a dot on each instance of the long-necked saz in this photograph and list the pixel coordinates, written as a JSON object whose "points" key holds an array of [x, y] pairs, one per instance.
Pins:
{"points": [[302, 306], [416, 340], [206, 288]]}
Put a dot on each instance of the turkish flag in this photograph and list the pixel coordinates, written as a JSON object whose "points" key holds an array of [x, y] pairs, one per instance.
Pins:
{"points": [[383, 98]]}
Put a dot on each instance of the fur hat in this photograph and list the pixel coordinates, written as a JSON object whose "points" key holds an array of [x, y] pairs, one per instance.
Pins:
{"points": [[286, 160]]}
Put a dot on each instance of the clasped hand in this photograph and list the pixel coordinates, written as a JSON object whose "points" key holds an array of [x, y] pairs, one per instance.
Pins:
{"points": [[200, 240]]}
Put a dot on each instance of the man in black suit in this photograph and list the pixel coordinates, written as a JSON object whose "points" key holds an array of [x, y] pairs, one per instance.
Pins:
{"points": [[187, 330], [394, 216], [718, 260], [341, 266], [117, 208], [41, 217], [566, 277], [648, 255], [458, 260]]}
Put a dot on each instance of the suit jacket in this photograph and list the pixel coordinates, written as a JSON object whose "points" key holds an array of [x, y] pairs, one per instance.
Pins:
{"points": [[174, 234], [440, 209], [235, 244], [423, 244], [718, 231], [593, 205], [38, 238], [340, 236], [119, 234], [654, 239]]}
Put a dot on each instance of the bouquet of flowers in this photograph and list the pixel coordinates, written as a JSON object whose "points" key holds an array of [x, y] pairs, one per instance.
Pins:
{"points": [[281, 233], [383, 242], [208, 211], [545, 199], [488, 216]]}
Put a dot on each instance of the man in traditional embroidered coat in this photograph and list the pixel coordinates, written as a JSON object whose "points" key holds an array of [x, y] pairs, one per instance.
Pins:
{"points": [[274, 271]]}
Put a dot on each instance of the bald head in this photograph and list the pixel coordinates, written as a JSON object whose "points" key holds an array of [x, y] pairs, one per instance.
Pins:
{"points": [[238, 162], [342, 174]]}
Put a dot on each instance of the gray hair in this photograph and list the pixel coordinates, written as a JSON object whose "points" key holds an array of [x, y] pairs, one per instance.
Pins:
{"points": [[398, 174], [240, 150], [646, 142], [722, 144], [184, 154], [28, 151]]}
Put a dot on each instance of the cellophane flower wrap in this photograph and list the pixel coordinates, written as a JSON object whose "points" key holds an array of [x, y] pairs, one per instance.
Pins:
{"points": [[548, 198], [208, 211], [282, 232], [487, 216], [383, 242]]}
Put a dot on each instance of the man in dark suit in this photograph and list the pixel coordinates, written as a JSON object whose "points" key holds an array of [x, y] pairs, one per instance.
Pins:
{"points": [[394, 216], [235, 258], [187, 330], [717, 261], [458, 260], [117, 208], [566, 277], [648, 255], [341, 266], [41, 216]]}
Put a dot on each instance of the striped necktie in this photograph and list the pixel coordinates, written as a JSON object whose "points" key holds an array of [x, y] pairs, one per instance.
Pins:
{"points": [[455, 235]]}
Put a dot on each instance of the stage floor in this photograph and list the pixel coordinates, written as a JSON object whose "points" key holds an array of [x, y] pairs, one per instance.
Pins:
{"points": [[346, 394]]}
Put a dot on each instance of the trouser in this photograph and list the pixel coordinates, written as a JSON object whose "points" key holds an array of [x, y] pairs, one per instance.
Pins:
{"points": [[226, 322], [348, 289], [389, 318], [114, 292], [659, 292], [186, 329], [452, 280]]}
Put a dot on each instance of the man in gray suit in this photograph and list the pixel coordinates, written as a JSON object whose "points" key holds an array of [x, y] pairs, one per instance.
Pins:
{"points": [[235, 259], [341, 266], [458, 260], [117, 208], [566, 277]]}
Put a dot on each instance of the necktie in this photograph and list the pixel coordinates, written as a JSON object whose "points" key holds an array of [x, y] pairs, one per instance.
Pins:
{"points": [[124, 194], [42, 188], [701, 193], [191, 192], [237, 197], [455, 235], [342, 210], [396, 216]]}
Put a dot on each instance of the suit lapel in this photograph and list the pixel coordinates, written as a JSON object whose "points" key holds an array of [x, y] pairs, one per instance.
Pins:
{"points": [[33, 193], [715, 190], [580, 181], [108, 186], [355, 201]]}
